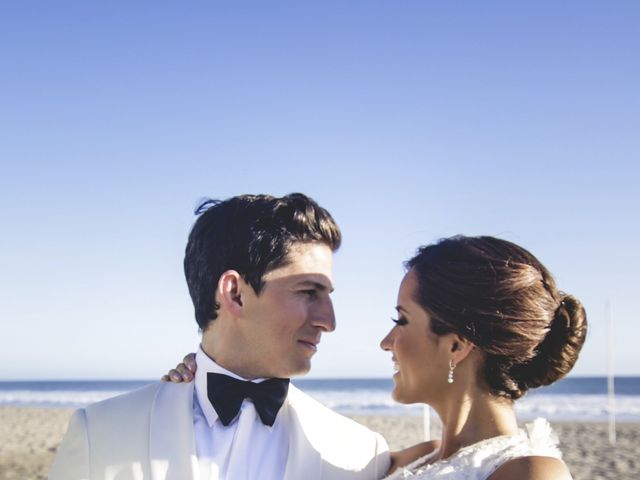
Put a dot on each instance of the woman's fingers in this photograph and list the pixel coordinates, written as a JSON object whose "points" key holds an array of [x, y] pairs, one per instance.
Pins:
{"points": [[190, 362]]}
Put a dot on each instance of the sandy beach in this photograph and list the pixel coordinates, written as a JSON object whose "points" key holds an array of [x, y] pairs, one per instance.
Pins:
{"points": [[29, 437]]}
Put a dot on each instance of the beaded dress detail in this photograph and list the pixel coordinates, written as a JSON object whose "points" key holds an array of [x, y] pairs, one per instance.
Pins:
{"points": [[480, 460]]}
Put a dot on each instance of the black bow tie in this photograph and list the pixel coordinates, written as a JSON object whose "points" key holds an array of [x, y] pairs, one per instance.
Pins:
{"points": [[227, 393]]}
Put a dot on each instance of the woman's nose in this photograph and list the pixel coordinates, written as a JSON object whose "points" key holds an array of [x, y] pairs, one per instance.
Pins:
{"points": [[385, 344]]}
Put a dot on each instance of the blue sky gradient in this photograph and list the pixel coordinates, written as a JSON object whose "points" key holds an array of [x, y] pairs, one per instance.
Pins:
{"points": [[409, 121]]}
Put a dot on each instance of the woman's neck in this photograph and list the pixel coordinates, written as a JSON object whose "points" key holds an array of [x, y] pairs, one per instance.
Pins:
{"points": [[472, 416]]}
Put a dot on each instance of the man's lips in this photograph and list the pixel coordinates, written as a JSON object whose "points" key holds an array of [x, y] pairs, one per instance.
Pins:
{"points": [[310, 344]]}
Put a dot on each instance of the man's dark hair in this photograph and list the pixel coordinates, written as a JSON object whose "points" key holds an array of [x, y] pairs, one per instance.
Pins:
{"points": [[253, 235]]}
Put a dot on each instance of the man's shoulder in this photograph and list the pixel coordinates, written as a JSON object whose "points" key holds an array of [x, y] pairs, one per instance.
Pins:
{"points": [[128, 402], [345, 445], [304, 403], [313, 412], [118, 431]]}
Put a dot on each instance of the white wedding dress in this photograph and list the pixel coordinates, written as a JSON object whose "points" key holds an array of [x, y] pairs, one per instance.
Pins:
{"points": [[480, 460]]}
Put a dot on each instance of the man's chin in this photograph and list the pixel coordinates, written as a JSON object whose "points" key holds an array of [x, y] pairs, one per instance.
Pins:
{"points": [[299, 370]]}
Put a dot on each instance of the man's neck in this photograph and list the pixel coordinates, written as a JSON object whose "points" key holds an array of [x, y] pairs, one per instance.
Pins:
{"points": [[230, 359]]}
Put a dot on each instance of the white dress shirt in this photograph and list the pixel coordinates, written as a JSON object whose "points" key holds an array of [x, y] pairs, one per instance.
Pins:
{"points": [[245, 449]]}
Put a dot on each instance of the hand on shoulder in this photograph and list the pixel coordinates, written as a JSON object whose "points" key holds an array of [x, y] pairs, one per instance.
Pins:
{"points": [[532, 468], [408, 455], [183, 372]]}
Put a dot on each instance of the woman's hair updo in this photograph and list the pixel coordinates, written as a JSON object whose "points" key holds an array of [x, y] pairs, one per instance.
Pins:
{"points": [[501, 298]]}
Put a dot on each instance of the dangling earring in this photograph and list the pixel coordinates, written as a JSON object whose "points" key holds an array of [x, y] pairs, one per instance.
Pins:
{"points": [[452, 367]]}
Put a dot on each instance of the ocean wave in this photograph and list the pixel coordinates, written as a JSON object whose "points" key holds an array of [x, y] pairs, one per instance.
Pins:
{"points": [[592, 407], [55, 398], [578, 407], [587, 407]]}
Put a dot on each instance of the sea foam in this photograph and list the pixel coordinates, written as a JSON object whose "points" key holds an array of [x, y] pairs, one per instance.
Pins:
{"points": [[356, 397]]}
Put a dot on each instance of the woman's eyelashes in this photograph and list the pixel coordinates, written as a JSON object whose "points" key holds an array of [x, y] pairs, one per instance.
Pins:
{"points": [[399, 321]]}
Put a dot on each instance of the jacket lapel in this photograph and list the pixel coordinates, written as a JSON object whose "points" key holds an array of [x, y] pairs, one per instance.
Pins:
{"points": [[172, 453], [304, 460]]}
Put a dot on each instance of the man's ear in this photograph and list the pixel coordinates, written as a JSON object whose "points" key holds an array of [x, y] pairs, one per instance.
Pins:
{"points": [[229, 292]]}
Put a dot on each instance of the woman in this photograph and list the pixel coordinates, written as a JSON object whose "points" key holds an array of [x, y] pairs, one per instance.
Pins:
{"points": [[480, 321]]}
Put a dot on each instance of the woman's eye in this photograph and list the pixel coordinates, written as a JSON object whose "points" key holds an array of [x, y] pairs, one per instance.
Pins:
{"points": [[399, 321]]}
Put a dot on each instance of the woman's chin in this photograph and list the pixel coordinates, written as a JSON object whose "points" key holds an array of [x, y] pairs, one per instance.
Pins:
{"points": [[403, 395], [396, 394]]}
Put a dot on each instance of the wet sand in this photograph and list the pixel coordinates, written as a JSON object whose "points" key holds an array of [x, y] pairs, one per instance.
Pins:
{"points": [[29, 437]]}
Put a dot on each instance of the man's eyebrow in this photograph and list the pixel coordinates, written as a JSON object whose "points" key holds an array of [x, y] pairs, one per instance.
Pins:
{"points": [[316, 285]]}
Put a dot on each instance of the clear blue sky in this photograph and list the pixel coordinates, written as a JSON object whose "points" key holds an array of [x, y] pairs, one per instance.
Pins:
{"points": [[408, 120]]}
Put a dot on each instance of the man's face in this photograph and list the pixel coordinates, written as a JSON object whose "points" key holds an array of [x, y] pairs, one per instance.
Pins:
{"points": [[282, 326]]}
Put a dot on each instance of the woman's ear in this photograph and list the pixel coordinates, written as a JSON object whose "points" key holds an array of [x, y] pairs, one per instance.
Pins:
{"points": [[460, 348], [229, 292]]}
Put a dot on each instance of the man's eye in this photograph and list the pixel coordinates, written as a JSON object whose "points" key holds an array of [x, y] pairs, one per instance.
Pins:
{"points": [[311, 293], [400, 321]]}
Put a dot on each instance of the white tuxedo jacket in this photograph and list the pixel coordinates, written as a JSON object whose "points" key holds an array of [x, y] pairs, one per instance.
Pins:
{"points": [[148, 434]]}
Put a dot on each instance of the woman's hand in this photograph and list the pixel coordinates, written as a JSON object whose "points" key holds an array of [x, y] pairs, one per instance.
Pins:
{"points": [[183, 372], [404, 457]]}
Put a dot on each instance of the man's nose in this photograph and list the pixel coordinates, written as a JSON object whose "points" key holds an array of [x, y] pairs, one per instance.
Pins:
{"points": [[325, 318]]}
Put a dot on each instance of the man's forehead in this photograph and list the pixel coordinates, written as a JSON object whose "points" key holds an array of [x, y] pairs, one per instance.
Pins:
{"points": [[320, 280], [310, 263], [308, 257]]}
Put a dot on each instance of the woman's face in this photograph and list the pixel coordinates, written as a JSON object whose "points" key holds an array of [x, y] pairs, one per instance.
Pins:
{"points": [[420, 357]]}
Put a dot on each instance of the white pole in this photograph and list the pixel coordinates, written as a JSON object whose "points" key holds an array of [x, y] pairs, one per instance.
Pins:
{"points": [[610, 376], [426, 422]]}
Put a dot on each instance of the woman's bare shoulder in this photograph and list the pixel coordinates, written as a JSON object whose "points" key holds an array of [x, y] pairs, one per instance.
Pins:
{"points": [[409, 454], [532, 468]]}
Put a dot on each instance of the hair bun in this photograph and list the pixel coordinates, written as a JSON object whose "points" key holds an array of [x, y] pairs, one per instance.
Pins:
{"points": [[558, 351]]}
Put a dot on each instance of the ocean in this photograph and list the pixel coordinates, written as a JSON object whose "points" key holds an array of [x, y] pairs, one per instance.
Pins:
{"points": [[577, 399]]}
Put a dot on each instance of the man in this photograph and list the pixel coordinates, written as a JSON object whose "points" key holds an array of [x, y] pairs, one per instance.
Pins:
{"points": [[259, 271]]}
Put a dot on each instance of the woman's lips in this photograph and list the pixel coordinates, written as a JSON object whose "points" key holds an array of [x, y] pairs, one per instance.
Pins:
{"points": [[396, 367]]}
